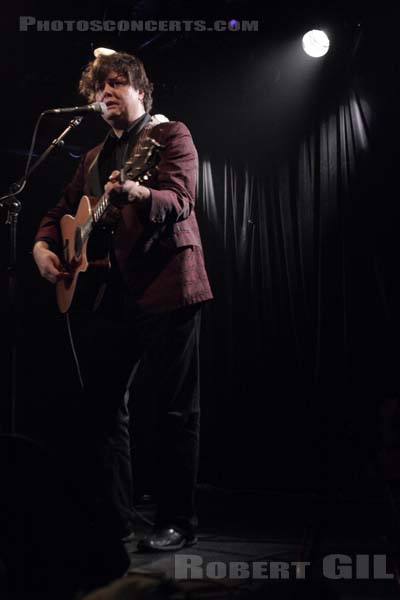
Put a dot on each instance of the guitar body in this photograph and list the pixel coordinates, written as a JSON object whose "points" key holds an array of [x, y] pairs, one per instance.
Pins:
{"points": [[74, 258], [75, 231]]}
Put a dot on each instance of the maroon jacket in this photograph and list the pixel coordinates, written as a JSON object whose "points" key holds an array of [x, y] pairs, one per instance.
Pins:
{"points": [[157, 243]]}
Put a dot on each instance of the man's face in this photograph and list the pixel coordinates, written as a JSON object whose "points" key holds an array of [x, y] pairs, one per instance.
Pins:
{"points": [[124, 103]]}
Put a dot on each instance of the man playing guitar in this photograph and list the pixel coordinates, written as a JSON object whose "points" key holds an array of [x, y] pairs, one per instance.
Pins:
{"points": [[149, 313]]}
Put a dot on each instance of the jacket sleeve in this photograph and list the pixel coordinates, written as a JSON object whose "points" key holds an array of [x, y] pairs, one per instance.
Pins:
{"points": [[172, 197], [49, 230]]}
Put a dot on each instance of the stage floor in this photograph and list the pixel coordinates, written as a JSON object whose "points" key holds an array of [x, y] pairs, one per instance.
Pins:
{"points": [[278, 545]]}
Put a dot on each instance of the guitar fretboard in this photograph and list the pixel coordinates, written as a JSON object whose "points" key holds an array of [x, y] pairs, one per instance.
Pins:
{"points": [[100, 208]]}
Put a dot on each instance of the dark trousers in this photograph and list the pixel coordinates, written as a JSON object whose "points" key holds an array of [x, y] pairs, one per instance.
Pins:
{"points": [[113, 345]]}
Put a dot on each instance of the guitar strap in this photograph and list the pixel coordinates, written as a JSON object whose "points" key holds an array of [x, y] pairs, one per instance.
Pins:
{"points": [[93, 175]]}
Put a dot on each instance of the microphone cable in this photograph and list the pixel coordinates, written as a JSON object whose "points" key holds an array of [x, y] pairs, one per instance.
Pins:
{"points": [[74, 353], [20, 185]]}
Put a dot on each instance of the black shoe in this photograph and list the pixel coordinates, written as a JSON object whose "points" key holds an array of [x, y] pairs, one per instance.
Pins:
{"points": [[165, 540]]}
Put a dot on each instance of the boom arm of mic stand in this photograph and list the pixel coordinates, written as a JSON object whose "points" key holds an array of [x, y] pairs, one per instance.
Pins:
{"points": [[18, 186]]}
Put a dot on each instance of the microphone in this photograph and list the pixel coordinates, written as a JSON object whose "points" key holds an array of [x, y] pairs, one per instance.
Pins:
{"points": [[95, 107]]}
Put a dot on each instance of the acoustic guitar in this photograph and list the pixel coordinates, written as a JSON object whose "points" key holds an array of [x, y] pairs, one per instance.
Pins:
{"points": [[76, 230]]}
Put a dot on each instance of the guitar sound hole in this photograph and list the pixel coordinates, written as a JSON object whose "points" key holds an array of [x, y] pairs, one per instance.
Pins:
{"points": [[78, 243]]}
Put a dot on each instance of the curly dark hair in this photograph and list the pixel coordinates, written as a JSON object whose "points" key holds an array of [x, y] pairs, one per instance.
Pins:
{"points": [[122, 63]]}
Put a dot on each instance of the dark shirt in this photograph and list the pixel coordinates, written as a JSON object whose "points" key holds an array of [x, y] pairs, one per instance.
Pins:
{"points": [[114, 155], [116, 149]]}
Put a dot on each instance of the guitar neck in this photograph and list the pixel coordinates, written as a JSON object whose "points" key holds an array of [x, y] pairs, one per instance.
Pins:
{"points": [[100, 208], [97, 212]]}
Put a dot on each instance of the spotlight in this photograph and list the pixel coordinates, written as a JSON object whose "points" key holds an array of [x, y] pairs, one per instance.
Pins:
{"points": [[315, 43]]}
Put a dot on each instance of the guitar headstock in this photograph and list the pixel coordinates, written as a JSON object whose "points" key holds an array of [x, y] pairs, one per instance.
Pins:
{"points": [[145, 158]]}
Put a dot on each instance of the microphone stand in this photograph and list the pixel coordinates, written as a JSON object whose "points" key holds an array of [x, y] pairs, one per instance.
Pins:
{"points": [[13, 206]]}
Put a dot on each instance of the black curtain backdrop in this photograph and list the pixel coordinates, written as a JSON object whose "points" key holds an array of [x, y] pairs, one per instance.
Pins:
{"points": [[293, 339]]}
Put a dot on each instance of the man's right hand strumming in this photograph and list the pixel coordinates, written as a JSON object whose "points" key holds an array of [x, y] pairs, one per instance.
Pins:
{"points": [[48, 262]]}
